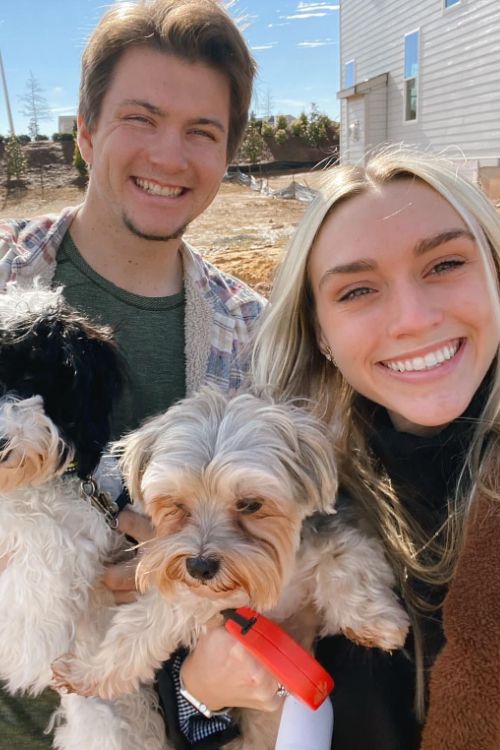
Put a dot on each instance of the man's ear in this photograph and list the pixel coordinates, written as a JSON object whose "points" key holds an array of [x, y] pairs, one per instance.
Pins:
{"points": [[84, 140]]}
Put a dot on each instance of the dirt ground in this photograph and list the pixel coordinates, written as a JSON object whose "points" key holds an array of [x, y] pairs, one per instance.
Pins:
{"points": [[243, 231]]}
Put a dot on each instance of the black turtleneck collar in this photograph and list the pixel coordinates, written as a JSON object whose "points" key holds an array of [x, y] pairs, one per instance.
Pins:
{"points": [[424, 469]]}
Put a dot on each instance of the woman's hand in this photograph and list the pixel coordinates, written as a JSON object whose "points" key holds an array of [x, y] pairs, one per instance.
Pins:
{"points": [[119, 578], [221, 673]]}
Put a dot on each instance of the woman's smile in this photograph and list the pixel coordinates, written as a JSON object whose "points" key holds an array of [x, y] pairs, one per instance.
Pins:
{"points": [[403, 302]]}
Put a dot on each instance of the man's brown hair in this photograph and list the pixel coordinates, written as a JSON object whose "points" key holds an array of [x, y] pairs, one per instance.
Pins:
{"points": [[194, 30]]}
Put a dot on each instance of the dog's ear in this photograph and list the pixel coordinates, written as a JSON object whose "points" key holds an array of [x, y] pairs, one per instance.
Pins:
{"points": [[97, 383], [316, 470], [134, 451]]}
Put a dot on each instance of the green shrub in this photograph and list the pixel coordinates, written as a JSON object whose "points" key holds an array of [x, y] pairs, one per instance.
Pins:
{"points": [[281, 123], [267, 130], [58, 137], [299, 126], [15, 161], [79, 163], [281, 135]]}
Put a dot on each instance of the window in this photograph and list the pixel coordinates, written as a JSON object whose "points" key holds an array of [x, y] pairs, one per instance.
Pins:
{"points": [[411, 74], [449, 3], [349, 74]]}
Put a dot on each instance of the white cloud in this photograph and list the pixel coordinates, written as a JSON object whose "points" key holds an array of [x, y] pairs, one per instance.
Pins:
{"points": [[316, 6], [305, 15], [312, 10], [317, 43], [264, 46]]}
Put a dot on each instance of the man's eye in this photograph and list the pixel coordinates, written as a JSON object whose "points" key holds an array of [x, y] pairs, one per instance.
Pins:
{"points": [[137, 118], [204, 133], [249, 505]]}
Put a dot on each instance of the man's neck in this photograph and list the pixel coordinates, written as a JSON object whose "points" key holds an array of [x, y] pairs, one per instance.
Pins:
{"points": [[148, 268]]}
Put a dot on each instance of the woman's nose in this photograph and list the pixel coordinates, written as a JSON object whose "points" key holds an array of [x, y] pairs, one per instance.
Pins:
{"points": [[413, 310]]}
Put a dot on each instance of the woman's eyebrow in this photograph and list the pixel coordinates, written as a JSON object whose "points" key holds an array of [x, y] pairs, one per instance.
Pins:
{"points": [[423, 246], [429, 243], [356, 266]]}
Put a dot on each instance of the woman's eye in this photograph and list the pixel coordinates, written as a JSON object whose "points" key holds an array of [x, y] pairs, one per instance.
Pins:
{"points": [[249, 506], [360, 291], [447, 265]]}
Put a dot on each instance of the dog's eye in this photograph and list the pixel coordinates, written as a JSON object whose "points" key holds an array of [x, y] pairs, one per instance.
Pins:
{"points": [[249, 505], [182, 508]]}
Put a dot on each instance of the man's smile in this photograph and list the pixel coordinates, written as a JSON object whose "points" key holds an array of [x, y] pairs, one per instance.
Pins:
{"points": [[155, 188]]}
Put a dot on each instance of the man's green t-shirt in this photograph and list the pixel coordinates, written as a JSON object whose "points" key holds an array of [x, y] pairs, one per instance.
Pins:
{"points": [[150, 334]]}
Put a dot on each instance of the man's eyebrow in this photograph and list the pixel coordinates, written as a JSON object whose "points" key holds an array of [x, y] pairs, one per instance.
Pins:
{"points": [[211, 121], [424, 246], [142, 103]]}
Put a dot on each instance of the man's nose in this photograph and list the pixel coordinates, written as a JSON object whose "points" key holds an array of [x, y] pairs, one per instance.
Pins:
{"points": [[168, 151]]}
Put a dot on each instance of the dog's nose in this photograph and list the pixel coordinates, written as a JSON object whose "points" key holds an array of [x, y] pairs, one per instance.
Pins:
{"points": [[203, 568], [3, 443]]}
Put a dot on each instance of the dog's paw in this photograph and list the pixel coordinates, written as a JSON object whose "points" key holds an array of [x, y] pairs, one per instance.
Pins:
{"points": [[67, 677], [388, 635]]}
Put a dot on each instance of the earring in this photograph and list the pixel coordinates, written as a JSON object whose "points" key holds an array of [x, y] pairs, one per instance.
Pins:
{"points": [[329, 355]]}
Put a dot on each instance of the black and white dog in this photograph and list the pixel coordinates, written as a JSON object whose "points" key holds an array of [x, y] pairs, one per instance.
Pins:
{"points": [[60, 375]]}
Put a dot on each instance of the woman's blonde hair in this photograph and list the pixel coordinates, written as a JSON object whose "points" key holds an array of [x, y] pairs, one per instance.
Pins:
{"points": [[287, 363]]}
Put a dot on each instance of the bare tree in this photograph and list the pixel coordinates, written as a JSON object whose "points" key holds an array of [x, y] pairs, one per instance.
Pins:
{"points": [[35, 106]]}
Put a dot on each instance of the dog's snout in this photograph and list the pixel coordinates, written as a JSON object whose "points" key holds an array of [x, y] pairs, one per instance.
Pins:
{"points": [[203, 568]]}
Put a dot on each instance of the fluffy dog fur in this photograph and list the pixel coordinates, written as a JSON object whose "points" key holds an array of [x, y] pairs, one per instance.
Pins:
{"points": [[59, 376], [228, 484]]}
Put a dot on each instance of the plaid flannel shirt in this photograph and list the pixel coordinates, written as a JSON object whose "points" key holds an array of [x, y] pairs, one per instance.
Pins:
{"points": [[220, 310]]}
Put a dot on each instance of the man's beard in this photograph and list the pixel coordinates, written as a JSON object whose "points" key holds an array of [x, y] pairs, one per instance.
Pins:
{"points": [[154, 237]]}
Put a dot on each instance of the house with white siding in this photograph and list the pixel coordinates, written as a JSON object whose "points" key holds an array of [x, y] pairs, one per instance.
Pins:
{"points": [[424, 73]]}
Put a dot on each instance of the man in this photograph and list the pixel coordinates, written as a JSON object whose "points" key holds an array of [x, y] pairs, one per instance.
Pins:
{"points": [[164, 96]]}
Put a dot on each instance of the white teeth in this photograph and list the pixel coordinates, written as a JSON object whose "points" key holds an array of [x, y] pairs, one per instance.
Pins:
{"points": [[156, 189], [429, 361], [418, 363]]}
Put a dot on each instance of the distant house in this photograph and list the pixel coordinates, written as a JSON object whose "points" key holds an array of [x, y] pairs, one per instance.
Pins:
{"points": [[65, 123], [422, 72]]}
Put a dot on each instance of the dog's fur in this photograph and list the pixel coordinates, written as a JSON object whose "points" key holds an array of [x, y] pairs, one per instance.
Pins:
{"points": [[59, 377], [228, 484]]}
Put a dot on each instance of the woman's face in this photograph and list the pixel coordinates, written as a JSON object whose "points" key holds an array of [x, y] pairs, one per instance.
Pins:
{"points": [[402, 300]]}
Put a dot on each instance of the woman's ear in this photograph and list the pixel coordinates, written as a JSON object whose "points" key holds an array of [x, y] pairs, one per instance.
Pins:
{"points": [[321, 341]]}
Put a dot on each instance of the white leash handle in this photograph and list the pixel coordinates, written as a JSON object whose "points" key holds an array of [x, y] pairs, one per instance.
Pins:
{"points": [[301, 728]]}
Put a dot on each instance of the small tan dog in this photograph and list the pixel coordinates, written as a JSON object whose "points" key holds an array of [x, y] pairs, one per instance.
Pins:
{"points": [[228, 484]]}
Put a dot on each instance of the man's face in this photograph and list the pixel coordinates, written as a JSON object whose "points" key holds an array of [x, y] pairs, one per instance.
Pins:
{"points": [[158, 152]]}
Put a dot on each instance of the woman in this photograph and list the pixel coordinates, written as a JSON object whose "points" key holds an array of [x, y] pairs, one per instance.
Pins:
{"points": [[386, 315]]}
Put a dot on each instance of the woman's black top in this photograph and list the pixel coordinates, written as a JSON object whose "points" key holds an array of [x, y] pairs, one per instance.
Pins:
{"points": [[374, 691]]}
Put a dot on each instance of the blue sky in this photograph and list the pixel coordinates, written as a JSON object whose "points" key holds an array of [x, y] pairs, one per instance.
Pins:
{"points": [[295, 43]]}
